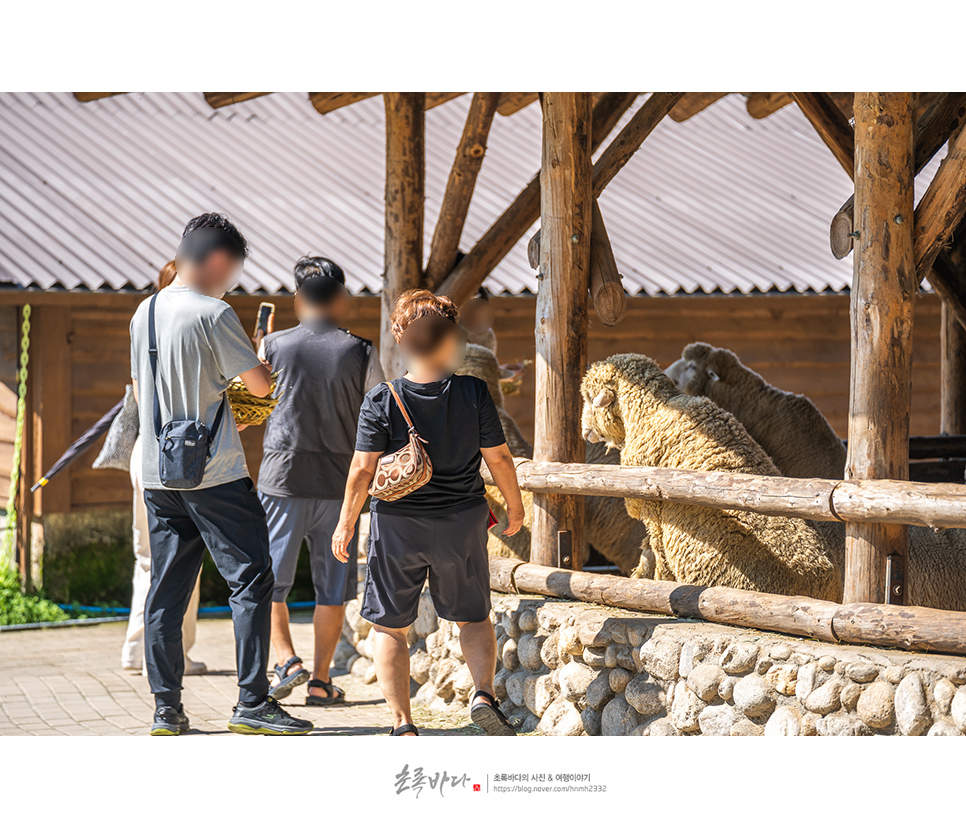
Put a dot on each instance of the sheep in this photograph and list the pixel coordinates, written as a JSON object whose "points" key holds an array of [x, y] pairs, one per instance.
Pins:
{"points": [[620, 538], [631, 404], [802, 444], [789, 427]]}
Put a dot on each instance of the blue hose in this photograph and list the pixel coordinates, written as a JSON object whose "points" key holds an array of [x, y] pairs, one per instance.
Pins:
{"points": [[209, 609]]}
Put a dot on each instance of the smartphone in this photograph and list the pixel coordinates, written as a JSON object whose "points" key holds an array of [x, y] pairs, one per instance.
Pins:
{"points": [[265, 312]]}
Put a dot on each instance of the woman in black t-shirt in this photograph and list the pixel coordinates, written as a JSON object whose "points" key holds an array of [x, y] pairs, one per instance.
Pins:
{"points": [[438, 531]]}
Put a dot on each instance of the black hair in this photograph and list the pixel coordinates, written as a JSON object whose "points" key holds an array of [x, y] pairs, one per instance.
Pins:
{"points": [[319, 279], [231, 239]]}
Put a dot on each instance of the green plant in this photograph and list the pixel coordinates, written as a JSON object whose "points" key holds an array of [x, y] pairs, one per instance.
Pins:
{"points": [[17, 608]]}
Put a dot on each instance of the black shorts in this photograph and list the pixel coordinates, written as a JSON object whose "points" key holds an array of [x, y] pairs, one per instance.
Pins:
{"points": [[404, 550]]}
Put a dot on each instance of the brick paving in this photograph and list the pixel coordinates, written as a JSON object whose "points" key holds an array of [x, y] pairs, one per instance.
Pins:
{"points": [[69, 682]]}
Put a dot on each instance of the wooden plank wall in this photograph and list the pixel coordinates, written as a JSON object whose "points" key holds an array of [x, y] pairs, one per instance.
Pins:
{"points": [[799, 343], [9, 354]]}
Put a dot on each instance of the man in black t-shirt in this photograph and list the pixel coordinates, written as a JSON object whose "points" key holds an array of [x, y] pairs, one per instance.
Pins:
{"points": [[438, 531], [323, 374]]}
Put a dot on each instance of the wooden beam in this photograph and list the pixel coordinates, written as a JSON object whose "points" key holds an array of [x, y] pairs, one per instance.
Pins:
{"points": [[561, 325], [511, 103], [883, 292], [217, 100], [952, 396], [817, 499], [942, 207], [327, 102], [619, 152], [85, 97], [762, 105], [523, 212], [436, 99], [459, 188], [941, 119], [693, 103], [831, 125], [606, 288], [405, 192], [889, 626]]}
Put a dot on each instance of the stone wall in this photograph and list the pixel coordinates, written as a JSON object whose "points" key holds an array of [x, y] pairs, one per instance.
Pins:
{"points": [[573, 669]]}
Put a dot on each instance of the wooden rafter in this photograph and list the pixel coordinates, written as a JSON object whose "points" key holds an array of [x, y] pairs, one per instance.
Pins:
{"points": [[460, 186], [619, 152], [942, 118], [85, 97], [436, 99], [831, 125], [327, 102], [522, 213], [762, 105], [510, 103], [217, 100], [692, 104]]}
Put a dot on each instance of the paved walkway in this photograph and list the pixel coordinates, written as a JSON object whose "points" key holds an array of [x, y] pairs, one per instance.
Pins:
{"points": [[69, 681]]}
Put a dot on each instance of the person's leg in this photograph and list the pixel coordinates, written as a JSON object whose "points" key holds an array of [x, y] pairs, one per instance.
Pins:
{"points": [[391, 658], [335, 584], [189, 631], [478, 643], [176, 550], [286, 530], [232, 523], [395, 574], [132, 653]]}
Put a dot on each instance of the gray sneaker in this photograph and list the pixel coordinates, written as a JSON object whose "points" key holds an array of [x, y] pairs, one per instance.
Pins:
{"points": [[169, 721], [267, 719]]}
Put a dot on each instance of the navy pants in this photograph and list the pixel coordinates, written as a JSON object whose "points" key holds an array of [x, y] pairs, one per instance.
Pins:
{"points": [[229, 520]]}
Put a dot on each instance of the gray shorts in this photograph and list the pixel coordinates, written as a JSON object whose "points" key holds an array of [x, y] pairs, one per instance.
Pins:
{"points": [[312, 520], [449, 550]]}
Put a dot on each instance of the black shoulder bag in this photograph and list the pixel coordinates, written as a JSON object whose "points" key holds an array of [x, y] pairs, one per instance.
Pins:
{"points": [[185, 445]]}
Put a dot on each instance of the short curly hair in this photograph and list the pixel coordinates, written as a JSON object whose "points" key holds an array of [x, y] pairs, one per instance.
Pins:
{"points": [[414, 304], [213, 220]]}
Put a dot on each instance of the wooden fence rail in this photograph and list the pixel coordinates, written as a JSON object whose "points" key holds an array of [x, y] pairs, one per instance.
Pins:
{"points": [[873, 501], [891, 626]]}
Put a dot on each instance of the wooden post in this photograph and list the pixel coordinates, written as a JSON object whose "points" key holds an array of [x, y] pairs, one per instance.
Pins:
{"points": [[883, 291], [405, 188], [459, 187], [561, 326], [952, 410]]}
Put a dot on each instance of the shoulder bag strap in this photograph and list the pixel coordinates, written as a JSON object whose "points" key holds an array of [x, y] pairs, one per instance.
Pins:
{"points": [[402, 408], [153, 356]]}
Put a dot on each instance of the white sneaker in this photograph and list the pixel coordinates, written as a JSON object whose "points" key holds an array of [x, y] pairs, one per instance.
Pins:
{"points": [[131, 666], [194, 667]]}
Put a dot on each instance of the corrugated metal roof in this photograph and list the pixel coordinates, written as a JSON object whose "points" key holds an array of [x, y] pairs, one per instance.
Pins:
{"points": [[95, 195]]}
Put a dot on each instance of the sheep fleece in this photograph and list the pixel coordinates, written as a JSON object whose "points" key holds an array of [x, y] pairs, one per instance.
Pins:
{"points": [[654, 424]]}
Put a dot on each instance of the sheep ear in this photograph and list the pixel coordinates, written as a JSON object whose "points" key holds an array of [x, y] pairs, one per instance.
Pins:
{"points": [[713, 375], [604, 398]]}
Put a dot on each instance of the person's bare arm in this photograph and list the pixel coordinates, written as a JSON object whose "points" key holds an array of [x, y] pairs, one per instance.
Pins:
{"points": [[258, 380], [500, 463], [361, 471], [134, 384]]}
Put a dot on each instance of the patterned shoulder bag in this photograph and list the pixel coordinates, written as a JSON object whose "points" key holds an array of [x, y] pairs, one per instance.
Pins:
{"points": [[400, 473]]}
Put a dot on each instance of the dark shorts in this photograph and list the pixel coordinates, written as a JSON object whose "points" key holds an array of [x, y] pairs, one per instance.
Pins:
{"points": [[405, 550], [312, 520]]}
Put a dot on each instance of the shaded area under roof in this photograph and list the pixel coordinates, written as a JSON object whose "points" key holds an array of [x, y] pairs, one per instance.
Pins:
{"points": [[94, 196]]}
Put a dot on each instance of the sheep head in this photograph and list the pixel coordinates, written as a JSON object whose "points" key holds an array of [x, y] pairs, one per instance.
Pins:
{"points": [[608, 385], [716, 373]]}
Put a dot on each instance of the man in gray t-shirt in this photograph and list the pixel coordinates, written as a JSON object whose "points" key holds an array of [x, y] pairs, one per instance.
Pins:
{"points": [[200, 347]]}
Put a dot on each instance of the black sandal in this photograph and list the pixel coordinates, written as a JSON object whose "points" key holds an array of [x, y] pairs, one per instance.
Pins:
{"points": [[403, 729], [286, 682], [488, 716], [334, 695]]}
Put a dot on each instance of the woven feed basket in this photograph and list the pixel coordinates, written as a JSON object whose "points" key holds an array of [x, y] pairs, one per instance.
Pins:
{"points": [[248, 409]]}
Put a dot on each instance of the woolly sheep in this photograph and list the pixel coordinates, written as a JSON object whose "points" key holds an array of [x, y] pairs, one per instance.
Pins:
{"points": [[620, 538], [800, 441], [631, 404]]}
